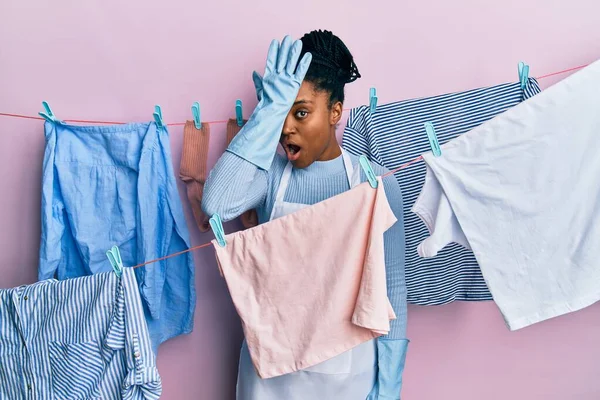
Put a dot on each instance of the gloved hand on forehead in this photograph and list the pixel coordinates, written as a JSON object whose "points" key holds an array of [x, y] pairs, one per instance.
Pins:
{"points": [[258, 140]]}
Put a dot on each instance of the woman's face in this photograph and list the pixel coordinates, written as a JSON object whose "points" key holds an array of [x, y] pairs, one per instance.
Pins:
{"points": [[309, 130]]}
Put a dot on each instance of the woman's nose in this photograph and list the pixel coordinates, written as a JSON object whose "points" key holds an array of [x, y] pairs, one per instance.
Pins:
{"points": [[289, 125]]}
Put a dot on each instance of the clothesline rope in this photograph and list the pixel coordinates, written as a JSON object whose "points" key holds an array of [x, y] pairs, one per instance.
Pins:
{"points": [[406, 165], [82, 121], [173, 255], [209, 243]]}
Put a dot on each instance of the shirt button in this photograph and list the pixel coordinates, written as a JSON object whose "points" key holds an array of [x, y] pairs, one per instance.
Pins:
{"points": [[29, 386], [26, 297], [137, 354]]}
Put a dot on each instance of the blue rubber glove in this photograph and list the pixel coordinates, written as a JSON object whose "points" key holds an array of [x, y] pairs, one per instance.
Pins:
{"points": [[258, 140], [258, 85]]}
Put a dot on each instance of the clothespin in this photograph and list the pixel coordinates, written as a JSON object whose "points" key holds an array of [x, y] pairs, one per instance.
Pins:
{"points": [[114, 257], [239, 116], [48, 115], [433, 140], [366, 166], [523, 74], [217, 226], [373, 100], [158, 118], [196, 115]]}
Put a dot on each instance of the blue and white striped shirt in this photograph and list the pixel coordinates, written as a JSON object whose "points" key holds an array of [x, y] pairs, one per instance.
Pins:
{"points": [[395, 135], [83, 338]]}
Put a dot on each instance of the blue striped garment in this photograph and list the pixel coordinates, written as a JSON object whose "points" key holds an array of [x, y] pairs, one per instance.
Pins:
{"points": [[395, 135], [82, 338]]}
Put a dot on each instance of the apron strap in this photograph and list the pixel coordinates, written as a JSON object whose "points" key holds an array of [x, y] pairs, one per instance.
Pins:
{"points": [[283, 185], [352, 174]]}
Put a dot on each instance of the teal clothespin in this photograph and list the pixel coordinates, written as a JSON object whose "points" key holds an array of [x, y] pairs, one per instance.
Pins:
{"points": [[366, 166], [523, 74], [48, 115], [239, 116], [217, 226], [158, 117], [196, 115], [373, 100], [114, 257], [433, 140]]}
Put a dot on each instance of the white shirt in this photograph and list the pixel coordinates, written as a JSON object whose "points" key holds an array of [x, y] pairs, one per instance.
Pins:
{"points": [[523, 192]]}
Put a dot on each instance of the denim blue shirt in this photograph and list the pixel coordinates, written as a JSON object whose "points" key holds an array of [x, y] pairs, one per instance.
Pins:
{"points": [[114, 185]]}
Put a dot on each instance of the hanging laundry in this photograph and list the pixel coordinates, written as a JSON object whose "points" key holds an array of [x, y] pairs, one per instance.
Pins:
{"points": [[270, 268], [524, 190], [394, 135], [351, 374], [192, 168], [249, 219], [114, 185], [82, 338]]}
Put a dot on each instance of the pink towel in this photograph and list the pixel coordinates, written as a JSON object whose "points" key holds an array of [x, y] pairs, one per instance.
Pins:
{"points": [[311, 285]]}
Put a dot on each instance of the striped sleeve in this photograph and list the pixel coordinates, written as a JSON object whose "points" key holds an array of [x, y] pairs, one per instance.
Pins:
{"points": [[531, 89], [234, 186], [355, 139]]}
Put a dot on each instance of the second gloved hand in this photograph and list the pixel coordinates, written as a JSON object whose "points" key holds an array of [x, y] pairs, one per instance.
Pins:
{"points": [[258, 140]]}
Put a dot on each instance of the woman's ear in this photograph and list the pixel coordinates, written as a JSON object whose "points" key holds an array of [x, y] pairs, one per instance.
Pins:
{"points": [[336, 113]]}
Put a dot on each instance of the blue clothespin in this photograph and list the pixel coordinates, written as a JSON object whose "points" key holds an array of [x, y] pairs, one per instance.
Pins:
{"points": [[523, 74], [48, 115], [196, 115], [373, 100], [114, 257], [366, 166], [217, 227], [433, 140], [158, 118], [239, 116]]}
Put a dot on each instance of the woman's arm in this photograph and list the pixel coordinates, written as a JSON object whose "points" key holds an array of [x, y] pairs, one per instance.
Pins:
{"points": [[391, 349], [239, 180], [234, 186]]}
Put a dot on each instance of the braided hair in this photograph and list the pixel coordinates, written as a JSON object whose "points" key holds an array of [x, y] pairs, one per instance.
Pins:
{"points": [[332, 64]]}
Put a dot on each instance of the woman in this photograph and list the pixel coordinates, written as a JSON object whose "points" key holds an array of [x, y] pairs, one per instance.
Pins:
{"points": [[300, 104]]}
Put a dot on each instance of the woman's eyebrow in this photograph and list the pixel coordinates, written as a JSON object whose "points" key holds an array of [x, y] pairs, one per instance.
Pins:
{"points": [[302, 101]]}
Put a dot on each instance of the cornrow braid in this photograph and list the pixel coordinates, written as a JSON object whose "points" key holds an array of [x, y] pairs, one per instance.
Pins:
{"points": [[332, 65]]}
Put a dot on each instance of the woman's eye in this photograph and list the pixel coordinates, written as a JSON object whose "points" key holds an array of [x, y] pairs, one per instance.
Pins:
{"points": [[301, 114]]}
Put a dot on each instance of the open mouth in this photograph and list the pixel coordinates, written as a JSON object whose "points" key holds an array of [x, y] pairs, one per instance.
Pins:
{"points": [[292, 151]]}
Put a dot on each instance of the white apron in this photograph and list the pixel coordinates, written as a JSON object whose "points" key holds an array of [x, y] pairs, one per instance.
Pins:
{"points": [[348, 376]]}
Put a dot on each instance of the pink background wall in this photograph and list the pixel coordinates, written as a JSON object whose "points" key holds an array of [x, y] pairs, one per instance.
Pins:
{"points": [[113, 60]]}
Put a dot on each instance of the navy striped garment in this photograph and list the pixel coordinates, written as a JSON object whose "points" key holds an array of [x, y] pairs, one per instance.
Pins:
{"points": [[395, 135], [83, 338]]}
